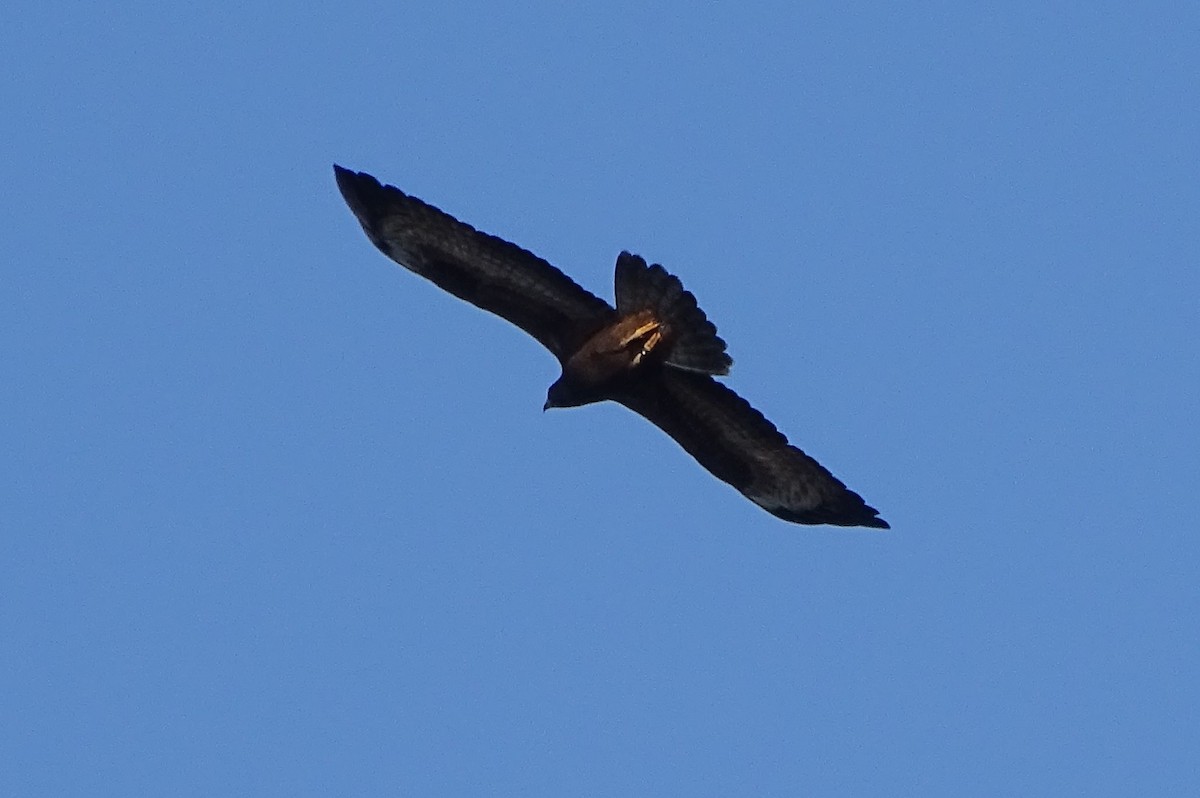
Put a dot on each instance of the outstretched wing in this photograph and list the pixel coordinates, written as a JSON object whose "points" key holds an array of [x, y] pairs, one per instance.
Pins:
{"points": [[738, 445], [484, 270]]}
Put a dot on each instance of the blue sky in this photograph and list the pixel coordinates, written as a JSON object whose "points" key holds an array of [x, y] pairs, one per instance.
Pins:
{"points": [[280, 518]]}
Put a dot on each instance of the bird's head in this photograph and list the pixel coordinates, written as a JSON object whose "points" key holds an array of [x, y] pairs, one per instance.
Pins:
{"points": [[564, 393]]}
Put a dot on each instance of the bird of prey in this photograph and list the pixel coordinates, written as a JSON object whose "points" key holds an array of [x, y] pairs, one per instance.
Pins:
{"points": [[655, 353]]}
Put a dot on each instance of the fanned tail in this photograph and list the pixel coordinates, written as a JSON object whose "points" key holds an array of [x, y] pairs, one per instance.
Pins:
{"points": [[695, 345]]}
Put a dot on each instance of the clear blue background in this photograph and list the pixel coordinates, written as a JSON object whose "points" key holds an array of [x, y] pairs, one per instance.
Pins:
{"points": [[280, 518]]}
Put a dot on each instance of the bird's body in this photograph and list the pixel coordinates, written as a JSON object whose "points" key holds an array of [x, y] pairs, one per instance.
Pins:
{"points": [[609, 358], [655, 352]]}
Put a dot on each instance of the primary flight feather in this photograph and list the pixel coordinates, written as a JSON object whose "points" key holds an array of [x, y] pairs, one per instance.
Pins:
{"points": [[655, 352]]}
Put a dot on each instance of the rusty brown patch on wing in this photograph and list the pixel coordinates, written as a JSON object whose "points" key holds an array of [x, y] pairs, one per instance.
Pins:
{"points": [[641, 333], [639, 325]]}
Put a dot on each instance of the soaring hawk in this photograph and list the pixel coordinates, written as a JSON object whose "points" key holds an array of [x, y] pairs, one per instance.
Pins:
{"points": [[655, 352]]}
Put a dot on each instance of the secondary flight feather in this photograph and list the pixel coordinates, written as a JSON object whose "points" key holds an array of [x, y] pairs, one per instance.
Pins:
{"points": [[656, 352]]}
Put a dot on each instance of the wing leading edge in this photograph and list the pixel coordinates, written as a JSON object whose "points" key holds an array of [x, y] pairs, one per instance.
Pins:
{"points": [[486, 271], [740, 446]]}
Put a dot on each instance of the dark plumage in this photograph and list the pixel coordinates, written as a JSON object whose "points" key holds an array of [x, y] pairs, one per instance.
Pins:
{"points": [[655, 352]]}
